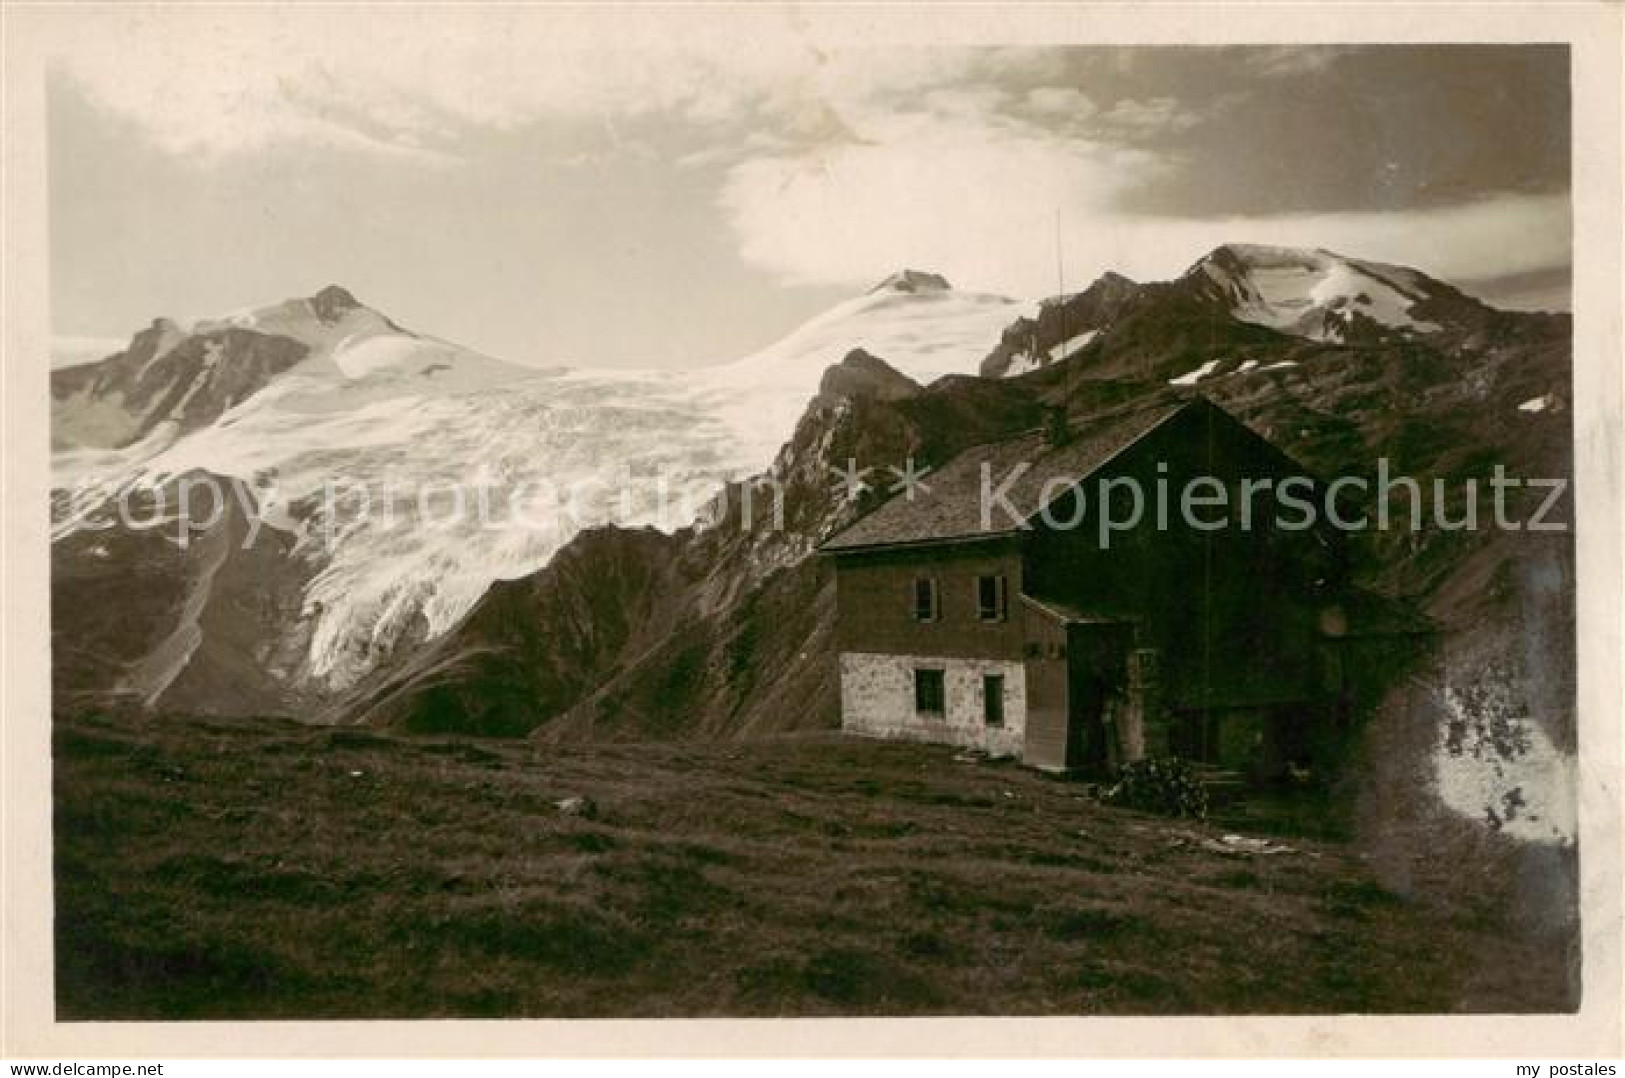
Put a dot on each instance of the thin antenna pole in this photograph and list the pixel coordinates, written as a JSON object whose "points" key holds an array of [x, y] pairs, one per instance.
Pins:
{"points": [[1060, 283]]}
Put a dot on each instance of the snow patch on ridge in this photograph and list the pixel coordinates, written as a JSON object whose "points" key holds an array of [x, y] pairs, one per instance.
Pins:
{"points": [[1027, 362], [1190, 378]]}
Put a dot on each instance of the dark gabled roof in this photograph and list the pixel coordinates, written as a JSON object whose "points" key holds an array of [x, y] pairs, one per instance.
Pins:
{"points": [[952, 507], [1069, 614]]}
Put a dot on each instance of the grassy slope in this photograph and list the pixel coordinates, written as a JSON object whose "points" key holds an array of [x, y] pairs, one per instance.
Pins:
{"points": [[211, 869]]}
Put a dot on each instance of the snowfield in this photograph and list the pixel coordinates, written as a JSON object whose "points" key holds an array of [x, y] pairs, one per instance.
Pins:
{"points": [[924, 334]]}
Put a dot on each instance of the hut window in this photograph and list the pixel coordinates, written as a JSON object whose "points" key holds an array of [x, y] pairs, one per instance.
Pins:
{"points": [[993, 699], [990, 598], [926, 607], [929, 695]]}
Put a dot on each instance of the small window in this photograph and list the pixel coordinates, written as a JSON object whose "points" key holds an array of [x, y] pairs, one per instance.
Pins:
{"points": [[990, 598], [929, 695], [993, 699], [926, 606]]}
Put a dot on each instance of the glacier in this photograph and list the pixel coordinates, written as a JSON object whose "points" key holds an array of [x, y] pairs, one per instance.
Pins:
{"points": [[414, 473]]}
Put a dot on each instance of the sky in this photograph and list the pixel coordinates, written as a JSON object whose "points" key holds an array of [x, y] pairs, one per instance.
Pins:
{"points": [[637, 202]]}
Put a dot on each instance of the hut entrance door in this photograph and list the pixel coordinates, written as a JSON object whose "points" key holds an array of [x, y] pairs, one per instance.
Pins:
{"points": [[1086, 747]]}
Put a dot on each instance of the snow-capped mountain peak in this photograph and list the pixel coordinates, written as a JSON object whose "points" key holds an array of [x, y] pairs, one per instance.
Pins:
{"points": [[179, 376], [908, 280], [914, 321], [318, 321], [1319, 294]]}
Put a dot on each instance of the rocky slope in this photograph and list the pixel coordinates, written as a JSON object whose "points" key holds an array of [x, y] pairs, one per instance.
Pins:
{"points": [[190, 618], [1061, 326], [1309, 295], [166, 383]]}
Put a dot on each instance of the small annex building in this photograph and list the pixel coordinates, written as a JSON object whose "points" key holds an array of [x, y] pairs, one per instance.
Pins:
{"points": [[988, 611]]}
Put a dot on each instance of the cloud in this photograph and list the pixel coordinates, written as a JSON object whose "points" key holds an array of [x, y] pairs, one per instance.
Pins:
{"points": [[1289, 61], [1063, 101], [837, 164], [248, 92], [390, 86], [207, 87], [977, 199], [973, 199], [1157, 115]]}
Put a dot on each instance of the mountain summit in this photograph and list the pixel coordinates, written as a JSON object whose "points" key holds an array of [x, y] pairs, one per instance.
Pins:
{"points": [[1245, 295], [176, 376], [1324, 296], [907, 280], [332, 302]]}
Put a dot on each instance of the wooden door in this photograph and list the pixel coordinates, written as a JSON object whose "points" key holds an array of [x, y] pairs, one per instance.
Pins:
{"points": [[1086, 747]]}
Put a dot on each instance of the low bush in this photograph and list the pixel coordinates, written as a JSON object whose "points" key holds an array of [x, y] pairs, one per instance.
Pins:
{"points": [[1168, 786]]}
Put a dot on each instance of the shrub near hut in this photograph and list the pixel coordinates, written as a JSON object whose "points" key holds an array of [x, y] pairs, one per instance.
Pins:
{"points": [[1168, 786]]}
